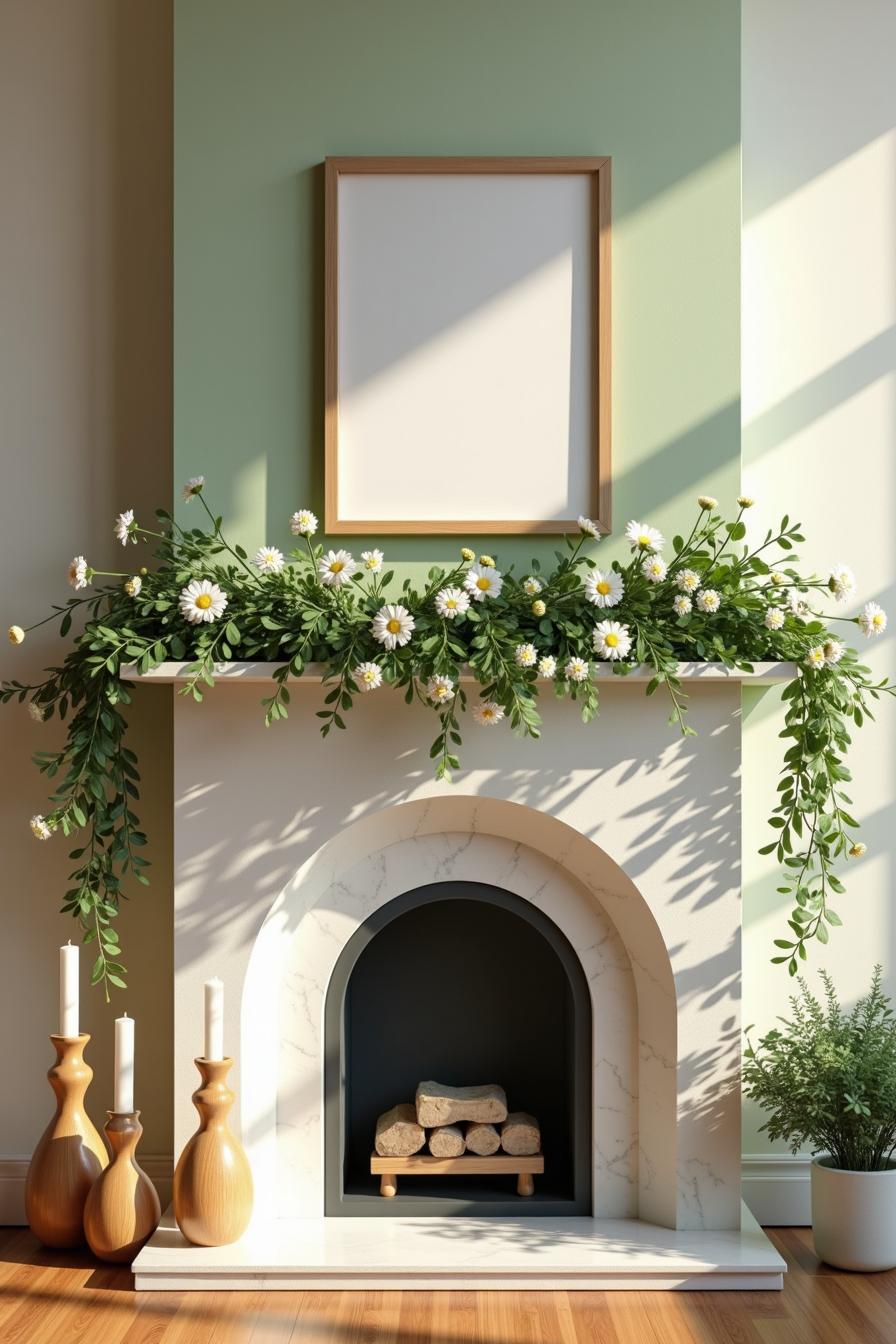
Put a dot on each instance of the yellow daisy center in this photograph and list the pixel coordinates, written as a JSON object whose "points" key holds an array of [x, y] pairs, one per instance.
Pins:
{"points": [[451, 602], [644, 539], [394, 626], [603, 587], [611, 641], [488, 713], [204, 601], [483, 583], [337, 566], [877, 619], [369, 675]]}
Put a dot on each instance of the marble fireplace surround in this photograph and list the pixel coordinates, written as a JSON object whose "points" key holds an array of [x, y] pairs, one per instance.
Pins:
{"points": [[624, 834]]}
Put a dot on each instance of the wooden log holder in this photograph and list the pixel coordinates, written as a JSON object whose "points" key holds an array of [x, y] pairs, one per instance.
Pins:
{"points": [[422, 1164]]}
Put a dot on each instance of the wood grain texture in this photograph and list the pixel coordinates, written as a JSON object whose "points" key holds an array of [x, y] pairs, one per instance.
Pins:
{"points": [[598, 168], [122, 1209], [70, 1153], [48, 1296], [212, 1190]]}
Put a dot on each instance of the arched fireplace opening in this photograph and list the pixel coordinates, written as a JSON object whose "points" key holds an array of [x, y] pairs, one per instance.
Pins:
{"points": [[463, 983]]}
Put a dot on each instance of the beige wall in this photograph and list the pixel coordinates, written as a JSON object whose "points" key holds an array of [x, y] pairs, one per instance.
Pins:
{"points": [[819, 414], [85, 390]]}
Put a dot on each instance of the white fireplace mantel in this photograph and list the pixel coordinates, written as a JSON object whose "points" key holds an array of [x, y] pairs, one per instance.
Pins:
{"points": [[763, 674]]}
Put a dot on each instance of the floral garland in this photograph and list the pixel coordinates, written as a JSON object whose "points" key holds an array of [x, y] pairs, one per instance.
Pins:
{"points": [[713, 600]]}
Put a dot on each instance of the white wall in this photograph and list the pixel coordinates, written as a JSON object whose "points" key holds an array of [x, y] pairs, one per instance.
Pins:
{"points": [[85, 430], [819, 423]]}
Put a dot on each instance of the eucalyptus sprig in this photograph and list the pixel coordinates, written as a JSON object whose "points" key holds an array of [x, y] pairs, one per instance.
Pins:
{"points": [[709, 598]]}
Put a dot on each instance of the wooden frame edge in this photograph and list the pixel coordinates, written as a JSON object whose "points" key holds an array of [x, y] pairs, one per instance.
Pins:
{"points": [[600, 167]]}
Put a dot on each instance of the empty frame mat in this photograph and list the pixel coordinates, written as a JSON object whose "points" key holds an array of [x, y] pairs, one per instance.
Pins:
{"points": [[467, 344]]}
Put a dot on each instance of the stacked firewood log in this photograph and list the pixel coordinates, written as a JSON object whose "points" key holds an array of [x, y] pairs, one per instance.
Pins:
{"points": [[450, 1121]]}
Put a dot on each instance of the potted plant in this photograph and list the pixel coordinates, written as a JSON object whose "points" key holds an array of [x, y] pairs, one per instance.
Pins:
{"points": [[828, 1078]]}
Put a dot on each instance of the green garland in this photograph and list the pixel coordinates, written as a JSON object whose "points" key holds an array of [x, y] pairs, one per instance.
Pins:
{"points": [[715, 600]]}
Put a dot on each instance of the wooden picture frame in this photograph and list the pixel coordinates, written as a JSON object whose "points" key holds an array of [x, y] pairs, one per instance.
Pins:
{"points": [[546, 313]]}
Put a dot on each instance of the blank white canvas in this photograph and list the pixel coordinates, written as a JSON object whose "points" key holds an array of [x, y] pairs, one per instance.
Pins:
{"points": [[464, 338]]}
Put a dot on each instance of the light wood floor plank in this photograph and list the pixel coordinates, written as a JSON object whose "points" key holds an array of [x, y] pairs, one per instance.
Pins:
{"points": [[49, 1297]]}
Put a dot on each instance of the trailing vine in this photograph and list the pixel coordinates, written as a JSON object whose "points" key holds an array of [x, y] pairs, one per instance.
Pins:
{"points": [[709, 597]]}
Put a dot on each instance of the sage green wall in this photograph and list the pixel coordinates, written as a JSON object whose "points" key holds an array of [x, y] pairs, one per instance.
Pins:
{"points": [[264, 91]]}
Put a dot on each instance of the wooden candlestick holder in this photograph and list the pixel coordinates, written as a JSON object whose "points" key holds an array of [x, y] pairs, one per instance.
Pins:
{"points": [[122, 1209], [70, 1154], [212, 1193]]}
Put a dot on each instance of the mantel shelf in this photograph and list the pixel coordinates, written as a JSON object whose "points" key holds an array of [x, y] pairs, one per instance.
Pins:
{"points": [[763, 674]]}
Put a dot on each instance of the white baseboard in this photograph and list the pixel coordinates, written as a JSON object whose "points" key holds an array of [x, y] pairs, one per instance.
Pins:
{"points": [[13, 1171], [775, 1187]]}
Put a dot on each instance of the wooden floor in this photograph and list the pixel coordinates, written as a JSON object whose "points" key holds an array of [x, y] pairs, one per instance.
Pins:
{"points": [[61, 1297]]}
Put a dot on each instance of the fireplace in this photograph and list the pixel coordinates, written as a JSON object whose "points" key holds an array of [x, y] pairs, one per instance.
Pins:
{"points": [[469, 983], [586, 887]]}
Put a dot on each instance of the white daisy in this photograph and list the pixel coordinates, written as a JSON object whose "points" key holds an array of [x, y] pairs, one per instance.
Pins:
{"points": [[482, 581], [193, 487], [707, 502], [688, 580], [488, 712], [842, 582], [268, 559], [798, 606], [393, 625], [133, 585], [335, 568], [525, 655], [576, 670], [815, 656], [857, 850], [604, 587], [547, 667], [125, 527], [368, 676], [644, 538], [588, 527], [682, 604], [202, 600], [654, 568], [39, 828], [833, 651], [872, 620], [15, 634], [538, 607], [709, 600], [303, 523], [439, 689], [78, 572], [611, 640], [451, 602], [773, 619], [746, 501], [36, 711], [373, 561], [532, 586]]}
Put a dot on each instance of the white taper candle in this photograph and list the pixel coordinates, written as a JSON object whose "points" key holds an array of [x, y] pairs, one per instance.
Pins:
{"points": [[123, 1103], [214, 1019], [68, 990]]}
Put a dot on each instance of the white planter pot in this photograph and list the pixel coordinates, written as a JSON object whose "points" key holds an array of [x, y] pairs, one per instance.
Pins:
{"points": [[854, 1216]]}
